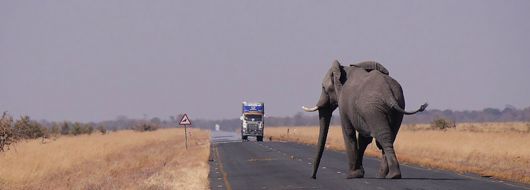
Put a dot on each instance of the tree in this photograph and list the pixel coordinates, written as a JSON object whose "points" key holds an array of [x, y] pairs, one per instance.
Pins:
{"points": [[55, 130], [36, 130], [27, 129], [87, 129], [156, 120], [22, 127], [76, 129], [65, 128], [7, 132]]}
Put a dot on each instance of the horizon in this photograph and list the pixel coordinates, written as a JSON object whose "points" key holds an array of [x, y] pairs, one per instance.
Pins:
{"points": [[304, 114]]}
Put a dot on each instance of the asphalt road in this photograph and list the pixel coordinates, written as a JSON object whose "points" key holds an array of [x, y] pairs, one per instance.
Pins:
{"points": [[283, 165]]}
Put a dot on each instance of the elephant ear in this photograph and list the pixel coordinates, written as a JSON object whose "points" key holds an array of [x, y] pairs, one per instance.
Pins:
{"points": [[337, 75]]}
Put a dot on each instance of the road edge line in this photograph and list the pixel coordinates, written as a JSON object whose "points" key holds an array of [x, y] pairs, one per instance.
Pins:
{"points": [[225, 175]]}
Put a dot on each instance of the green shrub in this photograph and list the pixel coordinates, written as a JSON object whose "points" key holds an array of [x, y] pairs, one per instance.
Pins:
{"points": [[76, 129], [27, 129], [7, 132]]}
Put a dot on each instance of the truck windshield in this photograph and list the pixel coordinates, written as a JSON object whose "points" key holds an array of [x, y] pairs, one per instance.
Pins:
{"points": [[253, 117]]}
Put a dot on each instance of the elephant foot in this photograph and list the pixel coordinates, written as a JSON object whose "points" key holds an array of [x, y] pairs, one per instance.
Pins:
{"points": [[396, 175], [381, 174], [355, 174]]}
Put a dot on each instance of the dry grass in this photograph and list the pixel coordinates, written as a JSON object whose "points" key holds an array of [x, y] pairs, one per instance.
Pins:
{"points": [[121, 160], [499, 150]]}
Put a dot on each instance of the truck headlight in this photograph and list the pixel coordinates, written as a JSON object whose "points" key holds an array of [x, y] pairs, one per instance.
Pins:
{"points": [[244, 125]]}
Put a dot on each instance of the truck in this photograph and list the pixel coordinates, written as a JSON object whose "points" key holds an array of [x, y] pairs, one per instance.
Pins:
{"points": [[252, 120]]}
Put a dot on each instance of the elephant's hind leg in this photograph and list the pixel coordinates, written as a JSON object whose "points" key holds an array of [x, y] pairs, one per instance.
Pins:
{"points": [[383, 167], [393, 164], [385, 137], [390, 157]]}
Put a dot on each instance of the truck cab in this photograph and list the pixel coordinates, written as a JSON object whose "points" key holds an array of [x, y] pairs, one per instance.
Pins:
{"points": [[252, 120]]}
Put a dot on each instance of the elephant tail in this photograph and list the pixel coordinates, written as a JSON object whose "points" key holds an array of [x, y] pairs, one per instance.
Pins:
{"points": [[399, 109]]}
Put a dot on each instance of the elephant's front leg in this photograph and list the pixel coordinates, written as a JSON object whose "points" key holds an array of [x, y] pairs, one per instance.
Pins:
{"points": [[364, 141], [350, 141]]}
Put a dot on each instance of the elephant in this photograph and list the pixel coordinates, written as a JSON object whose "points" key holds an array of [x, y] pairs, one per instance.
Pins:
{"points": [[371, 103]]}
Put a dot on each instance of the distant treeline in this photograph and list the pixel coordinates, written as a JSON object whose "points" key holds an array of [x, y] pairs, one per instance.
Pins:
{"points": [[509, 113]]}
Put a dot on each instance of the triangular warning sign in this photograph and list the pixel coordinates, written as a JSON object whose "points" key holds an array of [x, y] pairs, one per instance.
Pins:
{"points": [[185, 120]]}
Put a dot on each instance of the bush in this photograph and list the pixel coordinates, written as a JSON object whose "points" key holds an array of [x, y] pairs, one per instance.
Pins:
{"points": [[55, 130], [146, 127], [22, 128], [102, 129], [27, 129], [90, 129], [65, 128], [7, 132], [76, 129], [87, 129], [442, 124]]}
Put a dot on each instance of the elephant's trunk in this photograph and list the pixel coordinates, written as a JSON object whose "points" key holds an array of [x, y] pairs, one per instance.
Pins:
{"points": [[324, 114]]}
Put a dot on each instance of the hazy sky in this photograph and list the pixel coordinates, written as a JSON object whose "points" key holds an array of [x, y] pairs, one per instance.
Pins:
{"points": [[95, 60]]}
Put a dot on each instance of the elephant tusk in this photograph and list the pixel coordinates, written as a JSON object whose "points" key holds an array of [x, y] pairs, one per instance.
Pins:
{"points": [[310, 109]]}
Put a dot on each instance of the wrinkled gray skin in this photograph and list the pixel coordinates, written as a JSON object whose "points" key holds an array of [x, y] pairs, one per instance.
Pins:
{"points": [[370, 103]]}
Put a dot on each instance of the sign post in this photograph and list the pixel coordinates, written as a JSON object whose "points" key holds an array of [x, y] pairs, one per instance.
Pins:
{"points": [[185, 121]]}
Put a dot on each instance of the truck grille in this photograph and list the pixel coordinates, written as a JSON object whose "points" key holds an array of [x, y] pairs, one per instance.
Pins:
{"points": [[252, 127]]}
